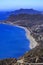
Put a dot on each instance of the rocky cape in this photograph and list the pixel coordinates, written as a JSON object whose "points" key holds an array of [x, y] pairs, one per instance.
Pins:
{"points": [[34, 23]]}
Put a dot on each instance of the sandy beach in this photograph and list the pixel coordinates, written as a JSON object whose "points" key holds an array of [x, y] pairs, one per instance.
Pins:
{"points": [[33, 43]]}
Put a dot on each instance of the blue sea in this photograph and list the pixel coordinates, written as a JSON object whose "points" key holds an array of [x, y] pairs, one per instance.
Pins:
{"points": [[13, 41]]}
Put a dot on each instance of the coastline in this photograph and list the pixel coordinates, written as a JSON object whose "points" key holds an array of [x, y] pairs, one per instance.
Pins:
{"points": [[33, 43]]}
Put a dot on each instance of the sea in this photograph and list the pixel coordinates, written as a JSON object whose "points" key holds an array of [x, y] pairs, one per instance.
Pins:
{"points": [[13, 41]]}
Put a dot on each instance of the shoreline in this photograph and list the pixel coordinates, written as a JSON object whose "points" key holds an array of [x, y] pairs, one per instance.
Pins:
{"points": [[33, 43]]}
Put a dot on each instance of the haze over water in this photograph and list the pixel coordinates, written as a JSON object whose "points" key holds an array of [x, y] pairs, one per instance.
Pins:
{"points": [[13, 41], [10, 5]]}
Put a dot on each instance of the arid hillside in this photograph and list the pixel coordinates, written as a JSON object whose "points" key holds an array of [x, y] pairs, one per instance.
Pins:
{"points": [[34, 23]]}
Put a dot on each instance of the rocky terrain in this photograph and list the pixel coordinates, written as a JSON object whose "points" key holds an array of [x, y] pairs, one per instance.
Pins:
{"points": [[10, 61], [34, 23]]}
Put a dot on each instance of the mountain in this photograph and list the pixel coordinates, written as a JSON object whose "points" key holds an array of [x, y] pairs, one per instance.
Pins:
{"points": [[30, 17], [5, 15], [26, 11], [34, 23], [42, 12]]}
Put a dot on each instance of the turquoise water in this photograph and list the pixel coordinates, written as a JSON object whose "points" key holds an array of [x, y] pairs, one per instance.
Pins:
{"points": [[13, 41]]}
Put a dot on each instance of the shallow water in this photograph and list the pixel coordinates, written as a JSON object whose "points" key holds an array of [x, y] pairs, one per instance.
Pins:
{"points": [[13, 41]]}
